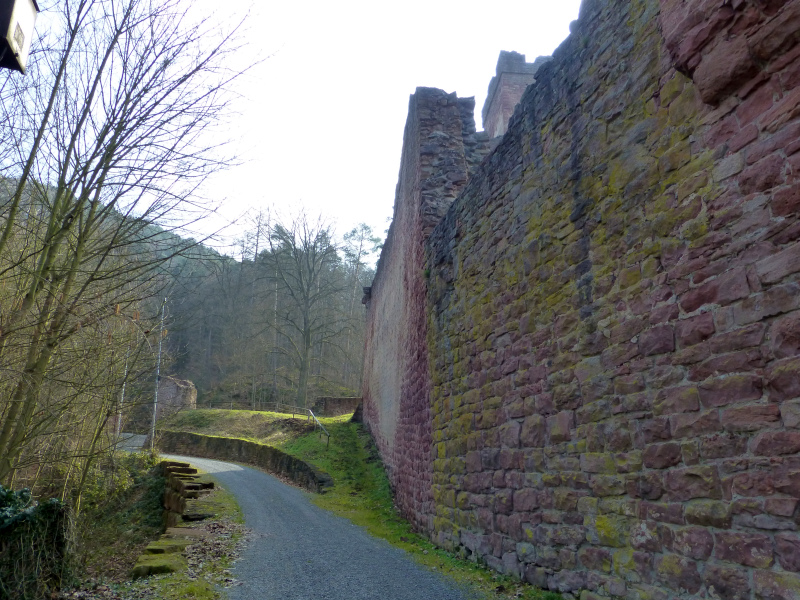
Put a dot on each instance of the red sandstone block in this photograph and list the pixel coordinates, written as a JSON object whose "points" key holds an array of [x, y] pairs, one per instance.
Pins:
{"points": [[786, 201], [509, 434], [776, 35], [744, 360], [750, 418], [510, 459], [762, 176], [629, 384], [677, 400], [723, 69], [754, 484], [776, 300], [790, 413], [559, 426], [664, 313], [693, 482], [785, 336], [595, 559], [784, 380], [756, 104], [694, 424], [771, 585], [787, 550], [627, 330], [695, 329], [652, 430], [726, 288], [726, 582], [745, 337], [714, 268], [731, 389], [680, 270], [780, 141], [746, 136], [785, 110], [722, 131], [661, 512], [789, 77], [776, 443], [750, 549], [694, 542], [657, 340], [788, 481], [526, 500], [782, 507], [678, 573], [661, 456], [722, 445], [473, 462], [503, 502], [533, 432]]}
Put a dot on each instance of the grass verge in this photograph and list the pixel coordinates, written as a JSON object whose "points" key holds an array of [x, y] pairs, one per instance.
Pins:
{"points": [[362, 494], [116, 533], [208, 560]]}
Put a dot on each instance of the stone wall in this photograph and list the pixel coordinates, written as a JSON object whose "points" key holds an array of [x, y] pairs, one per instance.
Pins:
{"points": [[587, 374], [329, 406], [174, 395], [440, 151], [265, 457], [512, 77]]}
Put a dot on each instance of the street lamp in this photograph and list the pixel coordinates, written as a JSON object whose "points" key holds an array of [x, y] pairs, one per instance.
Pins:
{"points": [[17, 18]]}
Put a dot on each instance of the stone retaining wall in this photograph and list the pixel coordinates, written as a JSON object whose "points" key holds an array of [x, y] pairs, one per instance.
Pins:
{"points": [[268, 458], [332, 406], [587, 374]]}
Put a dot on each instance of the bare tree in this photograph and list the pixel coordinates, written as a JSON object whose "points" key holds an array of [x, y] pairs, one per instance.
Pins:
{"points": [[116, 148], [303, 256]]}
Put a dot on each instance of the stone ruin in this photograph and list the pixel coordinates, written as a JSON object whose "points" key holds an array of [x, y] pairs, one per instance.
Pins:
{"points": [[175, 395], [582, 362]]}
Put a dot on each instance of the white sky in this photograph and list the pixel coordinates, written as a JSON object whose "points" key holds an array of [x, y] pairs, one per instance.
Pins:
{"points": [[320, 122]]}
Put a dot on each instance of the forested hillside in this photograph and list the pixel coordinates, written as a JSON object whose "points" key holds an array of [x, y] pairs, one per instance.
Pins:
{"points": [[281, 321]]}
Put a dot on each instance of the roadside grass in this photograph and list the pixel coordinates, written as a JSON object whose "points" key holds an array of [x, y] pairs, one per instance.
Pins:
{"points": [[257, 426], [115, 533], [362, 494], [202, 580]]}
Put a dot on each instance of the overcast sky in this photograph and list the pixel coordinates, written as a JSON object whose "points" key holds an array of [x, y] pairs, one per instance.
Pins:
{"points": [[319, 123]]}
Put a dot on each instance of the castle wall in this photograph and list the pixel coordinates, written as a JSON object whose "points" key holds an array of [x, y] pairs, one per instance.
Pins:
{"points": [[435, 167], [598, 388]]}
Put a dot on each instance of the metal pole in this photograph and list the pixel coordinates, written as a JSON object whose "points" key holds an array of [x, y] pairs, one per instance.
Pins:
{"points": [[122, 395], [158, 378]]}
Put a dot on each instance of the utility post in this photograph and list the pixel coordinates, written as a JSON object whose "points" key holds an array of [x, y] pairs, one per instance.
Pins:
{"points": [[158, 378]]}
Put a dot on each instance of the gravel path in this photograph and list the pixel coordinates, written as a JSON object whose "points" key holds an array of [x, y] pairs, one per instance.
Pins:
{"points": [[300, 551]]}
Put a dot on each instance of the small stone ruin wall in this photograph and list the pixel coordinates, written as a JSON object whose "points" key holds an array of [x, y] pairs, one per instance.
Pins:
{"points": [[175, 395], [587, 372], [334, 406]]}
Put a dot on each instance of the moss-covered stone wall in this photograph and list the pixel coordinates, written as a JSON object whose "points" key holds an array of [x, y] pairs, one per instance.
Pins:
{"points": [[612, 329], [266, 457]]}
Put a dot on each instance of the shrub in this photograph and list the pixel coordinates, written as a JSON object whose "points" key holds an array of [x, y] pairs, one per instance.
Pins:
{"points": [[36, 545]]}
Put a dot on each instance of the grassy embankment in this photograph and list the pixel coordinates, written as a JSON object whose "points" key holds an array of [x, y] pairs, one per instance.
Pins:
{"points": [[361, 492], [115, 532]]}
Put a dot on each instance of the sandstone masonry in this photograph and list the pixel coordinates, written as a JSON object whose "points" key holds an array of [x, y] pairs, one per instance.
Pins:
{"points": [[583, 353]]}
